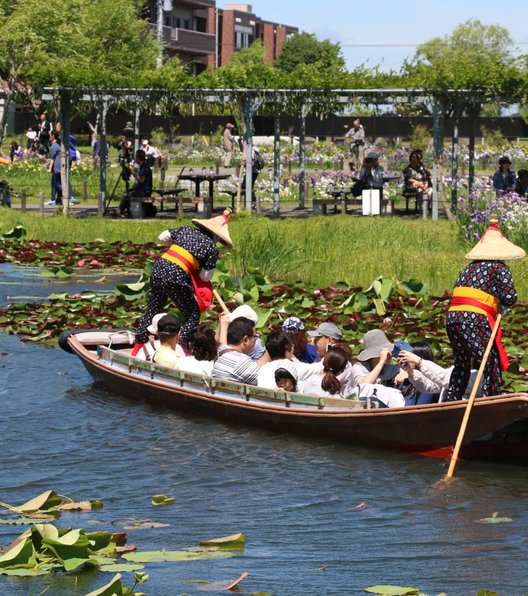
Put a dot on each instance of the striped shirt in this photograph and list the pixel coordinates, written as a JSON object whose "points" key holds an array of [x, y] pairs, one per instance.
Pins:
{"points": [[235, 366]]}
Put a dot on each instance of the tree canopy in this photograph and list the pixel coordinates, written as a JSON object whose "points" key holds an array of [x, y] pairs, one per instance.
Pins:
{"points": [[304, 49]]}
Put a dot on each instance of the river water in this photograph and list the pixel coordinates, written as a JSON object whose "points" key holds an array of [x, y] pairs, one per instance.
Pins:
{"points": [[294, 498]]}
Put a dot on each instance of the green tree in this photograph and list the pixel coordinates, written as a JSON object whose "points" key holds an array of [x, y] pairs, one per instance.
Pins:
{"points": [[305, 49], [474, 56]]}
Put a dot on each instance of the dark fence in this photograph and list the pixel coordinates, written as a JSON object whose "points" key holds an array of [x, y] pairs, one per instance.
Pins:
{"points": [[332, 127]]}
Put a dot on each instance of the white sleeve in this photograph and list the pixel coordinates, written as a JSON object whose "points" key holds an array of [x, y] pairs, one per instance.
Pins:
{"points": [[165, 236], [431, 378], [206, 274]]}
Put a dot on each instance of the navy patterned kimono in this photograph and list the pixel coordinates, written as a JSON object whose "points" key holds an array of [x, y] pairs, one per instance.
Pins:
{"points": [[469, 332], [169, 280]]}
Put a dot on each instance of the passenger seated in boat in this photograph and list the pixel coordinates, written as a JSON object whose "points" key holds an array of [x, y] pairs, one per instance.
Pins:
{"points": [[416, 395], [327, 384], [373, 362], [148, 349], [303, 350], [204, 350], [326, 334], [169, 334], [246, 311], [286, 378], [428, 377], [280, 352], [233, 362]]}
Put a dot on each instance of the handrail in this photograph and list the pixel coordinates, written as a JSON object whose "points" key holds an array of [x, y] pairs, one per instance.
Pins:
{"points": [[211, 384]]}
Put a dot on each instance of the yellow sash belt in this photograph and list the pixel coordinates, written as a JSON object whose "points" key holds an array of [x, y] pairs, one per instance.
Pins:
{"points": [[178, 255]]}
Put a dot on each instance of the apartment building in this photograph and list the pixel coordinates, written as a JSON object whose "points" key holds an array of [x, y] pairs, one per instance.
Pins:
{"points": [[202, 35]]}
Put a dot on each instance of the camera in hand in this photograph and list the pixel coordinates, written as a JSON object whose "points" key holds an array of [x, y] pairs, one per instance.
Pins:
{"points": [[399, 346]]}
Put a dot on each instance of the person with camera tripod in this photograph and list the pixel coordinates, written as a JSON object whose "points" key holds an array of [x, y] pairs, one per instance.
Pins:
{"points": [[142, 186]]}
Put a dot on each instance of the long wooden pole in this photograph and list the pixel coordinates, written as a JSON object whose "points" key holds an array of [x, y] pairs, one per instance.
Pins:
{"points": [[221, 303], [471, 399]]}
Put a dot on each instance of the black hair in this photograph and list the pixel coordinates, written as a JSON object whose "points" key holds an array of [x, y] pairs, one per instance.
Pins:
{"points": [[423, 350], [334, 363], [168, 326], [277, 344], [239, 328], [281, 374], [504, 159], [140, 154], [56, 135], [202, 343]]}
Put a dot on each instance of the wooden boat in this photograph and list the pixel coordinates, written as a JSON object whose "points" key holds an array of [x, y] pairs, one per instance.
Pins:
{"points": [[498, 426]]}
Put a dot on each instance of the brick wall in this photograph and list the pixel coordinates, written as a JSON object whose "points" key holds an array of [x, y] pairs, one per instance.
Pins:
{"points": [[228, 36], [268, 39]]}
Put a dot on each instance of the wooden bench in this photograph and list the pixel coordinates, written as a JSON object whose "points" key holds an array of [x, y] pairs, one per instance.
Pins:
{"points": [[319, 206], [421, 204], [339, 199], [172, 195]]}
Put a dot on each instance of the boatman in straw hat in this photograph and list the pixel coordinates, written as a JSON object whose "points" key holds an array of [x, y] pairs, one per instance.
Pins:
{"points": [[483, 289], [184, 273]]}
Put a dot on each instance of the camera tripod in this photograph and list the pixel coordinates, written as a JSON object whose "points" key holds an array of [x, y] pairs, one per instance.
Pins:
{"points": [[125, 176]]}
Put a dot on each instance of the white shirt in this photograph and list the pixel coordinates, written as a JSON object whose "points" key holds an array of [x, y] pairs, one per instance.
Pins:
{"points": [[199, 367]]}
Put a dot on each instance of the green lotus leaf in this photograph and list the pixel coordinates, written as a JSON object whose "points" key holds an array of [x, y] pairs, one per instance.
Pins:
{"points": [[113, 588], [22, 553], [158, 500], [176, 555], [23, 572], [100, 540], [494, 519], [234, 541], [121, 567], [16, 232], [388, 590], [43, 502]]}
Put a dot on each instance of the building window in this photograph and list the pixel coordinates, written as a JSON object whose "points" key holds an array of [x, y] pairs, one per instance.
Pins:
{"points": [[243, 37]]}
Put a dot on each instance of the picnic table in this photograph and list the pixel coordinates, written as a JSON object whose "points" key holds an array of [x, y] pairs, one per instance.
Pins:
{"points": [[198, 179]]}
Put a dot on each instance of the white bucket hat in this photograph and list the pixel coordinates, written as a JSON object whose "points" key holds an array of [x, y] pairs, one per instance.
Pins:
{"points": [[244, 311], [153, 327]]}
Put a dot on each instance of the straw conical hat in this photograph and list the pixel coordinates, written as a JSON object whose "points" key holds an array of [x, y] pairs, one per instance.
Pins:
{"points": [[218, 226], [494, 246]]}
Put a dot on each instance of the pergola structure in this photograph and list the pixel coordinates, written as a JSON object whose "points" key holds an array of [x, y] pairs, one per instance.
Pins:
{"points": [[299, 102]]}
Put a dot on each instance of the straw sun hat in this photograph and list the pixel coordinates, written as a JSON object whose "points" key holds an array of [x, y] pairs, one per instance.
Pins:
{"points": [[494, 246], [218, 226]]}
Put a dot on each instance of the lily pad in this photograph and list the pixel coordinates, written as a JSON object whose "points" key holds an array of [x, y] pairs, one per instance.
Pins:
{"points": [[43, 502], [494, 519], [158, 500], [235, 541], [121, 567], [388, 590], [163, 555]]}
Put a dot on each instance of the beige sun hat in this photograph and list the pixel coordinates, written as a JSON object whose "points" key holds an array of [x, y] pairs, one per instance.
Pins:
{"points": [[218, 226], [494, 246]]}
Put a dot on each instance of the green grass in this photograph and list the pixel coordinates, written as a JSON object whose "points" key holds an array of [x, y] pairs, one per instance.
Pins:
{"points": [[319, 251]]}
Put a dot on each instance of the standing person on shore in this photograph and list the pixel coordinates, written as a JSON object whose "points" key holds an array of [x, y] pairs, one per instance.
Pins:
{"points": [[228, 142], [483, 289], [184, 273], [54, 168], [356, 136]]}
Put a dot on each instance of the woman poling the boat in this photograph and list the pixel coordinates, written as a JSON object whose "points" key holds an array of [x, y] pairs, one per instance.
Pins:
{"points": [[184, 273], [483, 289]]}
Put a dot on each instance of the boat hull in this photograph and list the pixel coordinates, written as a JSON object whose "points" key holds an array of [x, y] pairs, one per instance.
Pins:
{"points": [[498, 426]]}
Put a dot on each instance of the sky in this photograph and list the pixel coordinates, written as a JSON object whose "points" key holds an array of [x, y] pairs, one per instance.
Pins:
{"points": [[396, 22]]}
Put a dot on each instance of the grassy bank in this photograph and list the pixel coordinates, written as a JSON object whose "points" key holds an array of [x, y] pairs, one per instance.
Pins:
{"points": [[318, 250]]}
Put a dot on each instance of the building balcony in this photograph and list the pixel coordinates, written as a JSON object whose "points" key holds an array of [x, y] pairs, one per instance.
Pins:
{"points": [[185, 40]]}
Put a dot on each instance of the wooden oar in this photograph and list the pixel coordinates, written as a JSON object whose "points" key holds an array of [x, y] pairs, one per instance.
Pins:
{"points": [[471, 399], [221, 303]]}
